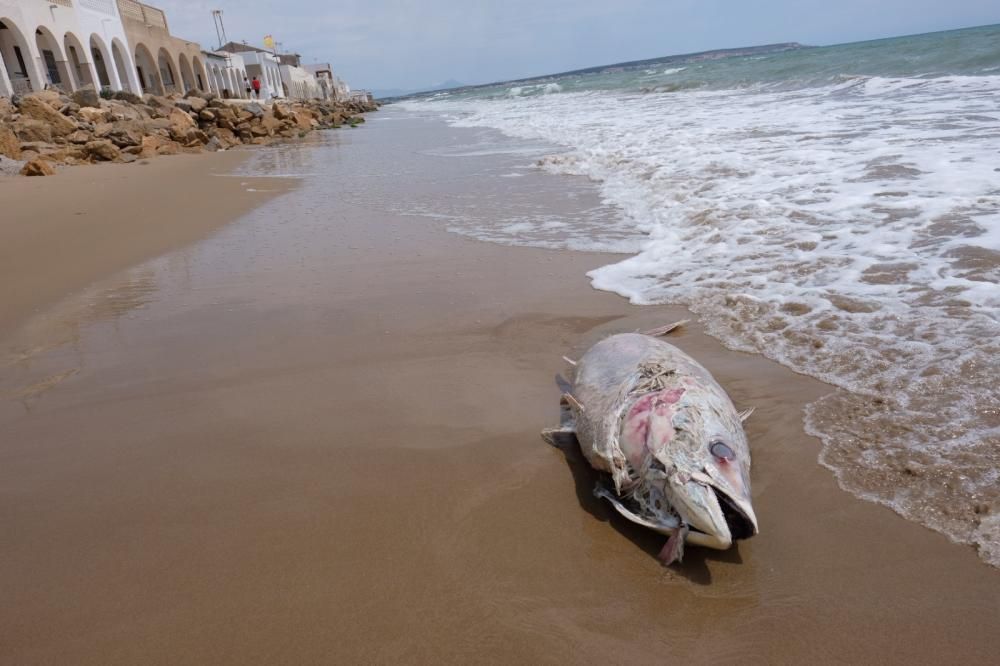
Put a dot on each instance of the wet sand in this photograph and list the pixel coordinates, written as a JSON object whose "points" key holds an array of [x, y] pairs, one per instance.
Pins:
{"points": [[61, 233], [313, 438]]}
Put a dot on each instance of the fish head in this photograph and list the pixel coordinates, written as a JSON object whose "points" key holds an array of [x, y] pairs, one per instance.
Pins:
{"points": [[694, 440]]}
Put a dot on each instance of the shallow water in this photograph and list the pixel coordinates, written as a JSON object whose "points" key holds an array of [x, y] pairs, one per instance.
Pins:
{"points": [[837, 210]]}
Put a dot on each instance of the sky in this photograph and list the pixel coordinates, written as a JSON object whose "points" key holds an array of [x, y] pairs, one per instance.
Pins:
{"points": [[417, 44]]}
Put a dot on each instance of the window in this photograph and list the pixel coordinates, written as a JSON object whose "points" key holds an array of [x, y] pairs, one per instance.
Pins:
{"points": [[51, 67]]}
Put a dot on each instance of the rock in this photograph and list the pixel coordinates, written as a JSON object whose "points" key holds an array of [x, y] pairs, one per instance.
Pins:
{"points": [[256, 109], [29, 129], [38, 167], [94, 115], [169, 148], [10, 146], [127, 158], [87, 96], [102, 150], [6, 109], [127, 133], [214, 145], [197, 104], [207, 116], [281, 112], [9, 167], [37, 147], [79, 136], [181, 125], [33, 107], [125, 96]]}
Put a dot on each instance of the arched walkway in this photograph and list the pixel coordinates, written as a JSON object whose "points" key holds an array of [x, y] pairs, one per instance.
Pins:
{"points": [[145, 67], [16, 56], [168, 72], [124, 68], [79, 61], [53, 62], [187, 74], [201, 75], [103, 64]]}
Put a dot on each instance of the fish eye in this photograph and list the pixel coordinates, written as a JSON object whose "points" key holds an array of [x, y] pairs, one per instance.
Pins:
{"points": [[722, 451]]}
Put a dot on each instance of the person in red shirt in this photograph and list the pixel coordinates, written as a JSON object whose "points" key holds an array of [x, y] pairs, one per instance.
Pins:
{"points": [[256, 87]]}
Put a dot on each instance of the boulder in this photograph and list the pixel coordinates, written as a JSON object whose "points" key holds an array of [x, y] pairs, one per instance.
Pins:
{"points": [[94, 114], [206, 116], [33, 107], [125, 96], [79, 137], [181, 125], [281, 112], [37, 167], [127, 133], [102, 150], [87, 96], [29, 129], [10, 146], [256, 109], [197, 104]]}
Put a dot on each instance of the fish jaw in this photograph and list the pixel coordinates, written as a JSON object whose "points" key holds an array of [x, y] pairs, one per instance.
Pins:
{"points": [[716, 517]]}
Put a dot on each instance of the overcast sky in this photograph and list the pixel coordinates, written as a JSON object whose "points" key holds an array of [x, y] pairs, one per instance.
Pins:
{"points": [[414, 44]]}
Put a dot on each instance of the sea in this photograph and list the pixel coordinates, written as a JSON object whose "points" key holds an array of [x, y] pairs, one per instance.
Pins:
{"points": [[836, 209]]}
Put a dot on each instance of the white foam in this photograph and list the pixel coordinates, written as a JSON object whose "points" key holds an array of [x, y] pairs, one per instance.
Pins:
{"points": [[848, 232]]}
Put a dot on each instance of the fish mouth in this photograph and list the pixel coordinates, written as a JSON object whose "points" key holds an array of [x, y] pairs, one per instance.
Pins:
{"points": [[741, 526], [714, 517]]}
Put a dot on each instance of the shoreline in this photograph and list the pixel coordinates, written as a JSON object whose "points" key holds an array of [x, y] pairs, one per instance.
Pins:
{"points": [[350, 464]]}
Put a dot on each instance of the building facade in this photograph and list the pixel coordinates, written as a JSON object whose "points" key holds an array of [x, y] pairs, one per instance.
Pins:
{"points": [[164, 64], [64, 44]]}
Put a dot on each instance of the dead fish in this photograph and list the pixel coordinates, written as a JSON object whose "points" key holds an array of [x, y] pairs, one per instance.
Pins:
{"points": [[667, 435]]}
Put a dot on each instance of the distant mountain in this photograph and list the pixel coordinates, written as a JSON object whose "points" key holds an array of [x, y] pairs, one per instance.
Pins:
{"points": [[401, 92]]}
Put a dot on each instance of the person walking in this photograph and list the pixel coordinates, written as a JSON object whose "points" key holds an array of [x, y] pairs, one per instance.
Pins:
{"points": [[246, 83], [256, 87]]}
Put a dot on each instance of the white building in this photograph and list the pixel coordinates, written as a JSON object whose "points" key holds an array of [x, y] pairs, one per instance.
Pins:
{"points": [[300, 84], [65, 44], [266, 67], [227, 74]]}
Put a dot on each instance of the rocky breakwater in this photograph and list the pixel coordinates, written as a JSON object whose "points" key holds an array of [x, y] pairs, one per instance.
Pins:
{"points": [[42, 131]]}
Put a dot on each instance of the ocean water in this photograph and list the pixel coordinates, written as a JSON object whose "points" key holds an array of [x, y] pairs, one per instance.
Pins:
{"points": [[836, 209]]}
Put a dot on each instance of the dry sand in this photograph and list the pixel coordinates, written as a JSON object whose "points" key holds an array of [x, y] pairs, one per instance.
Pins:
{"points": [[364, 481]]}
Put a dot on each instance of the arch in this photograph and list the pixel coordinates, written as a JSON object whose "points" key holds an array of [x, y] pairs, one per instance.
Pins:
{"points": [[103, 64], [51, 59], [216, 80], [187, 74], [201, 75], [146, 70], [18, 63], [78, 60], [127, 75], [168, 72]]}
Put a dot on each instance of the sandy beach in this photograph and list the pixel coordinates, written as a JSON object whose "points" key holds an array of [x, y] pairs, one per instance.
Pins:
{"points": [[305, 429]]}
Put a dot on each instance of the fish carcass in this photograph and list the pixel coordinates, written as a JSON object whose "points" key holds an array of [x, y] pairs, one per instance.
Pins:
{"points": [[668, 437]]}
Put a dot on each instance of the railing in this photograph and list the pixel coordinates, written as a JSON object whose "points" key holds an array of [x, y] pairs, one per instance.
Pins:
{"points": [[103, 6], [136, 11]]}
